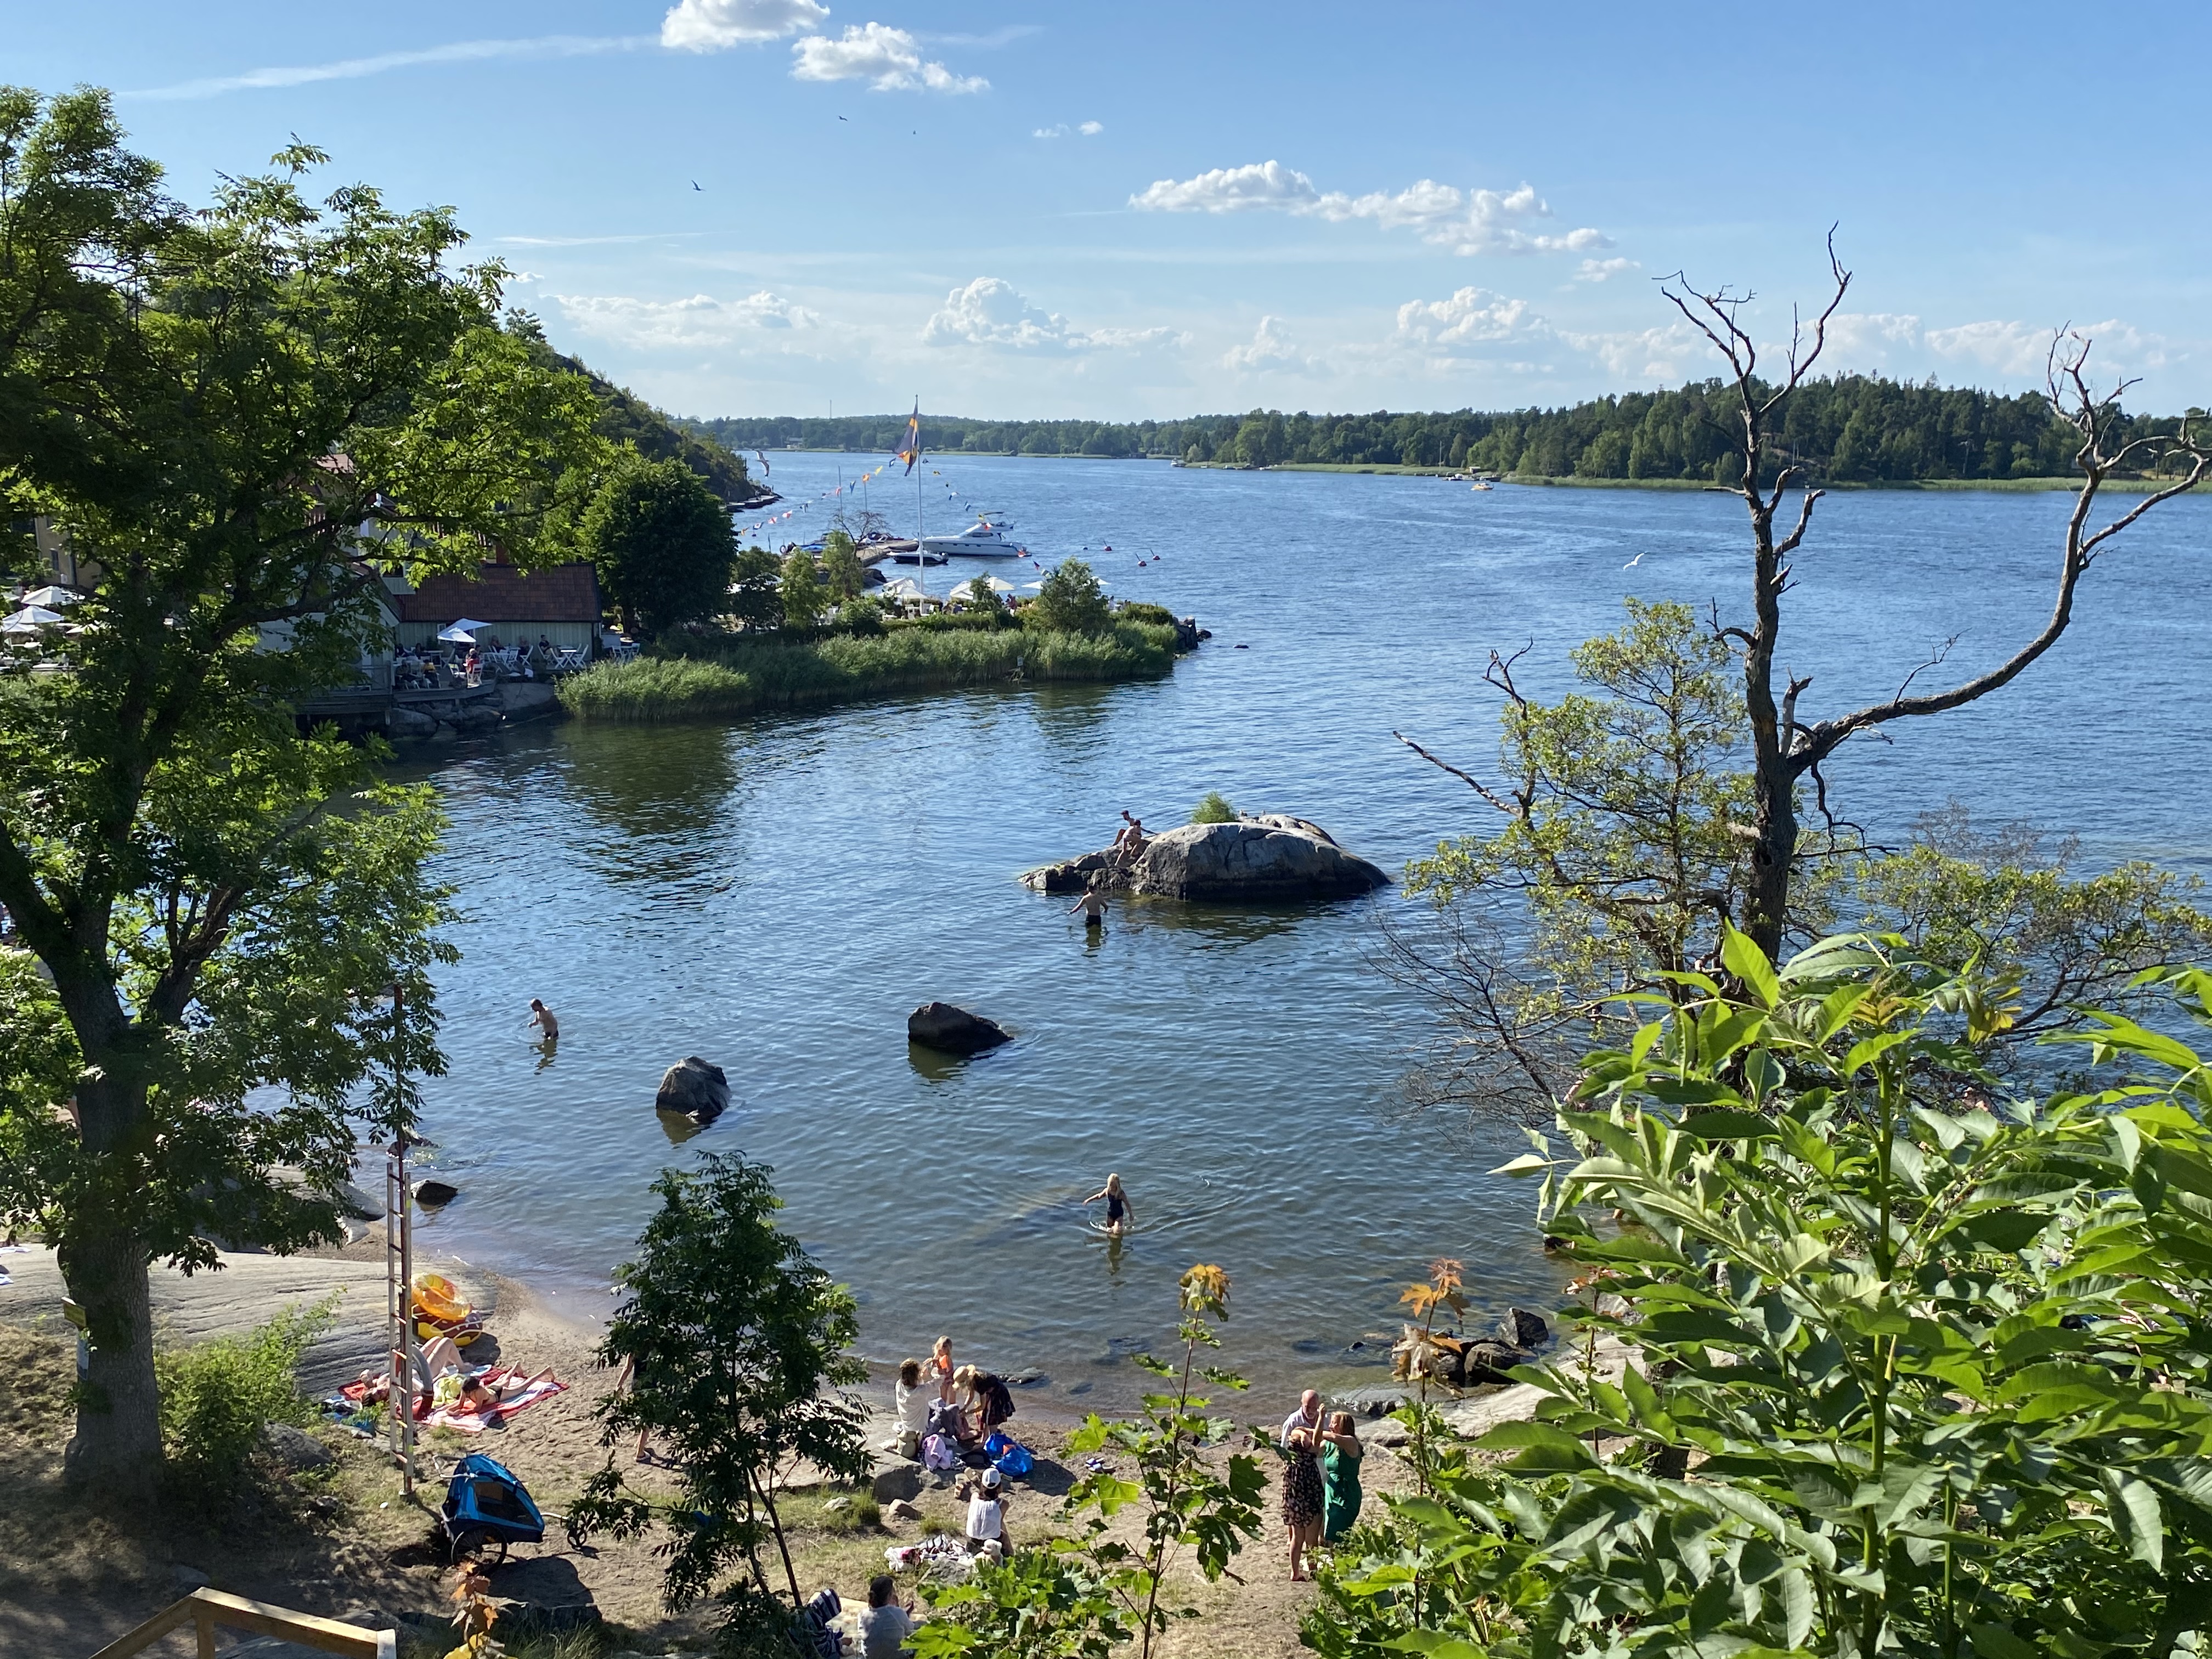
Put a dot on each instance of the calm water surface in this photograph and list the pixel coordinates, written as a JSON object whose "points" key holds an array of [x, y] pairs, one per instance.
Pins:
{"points": [[776, 894]]}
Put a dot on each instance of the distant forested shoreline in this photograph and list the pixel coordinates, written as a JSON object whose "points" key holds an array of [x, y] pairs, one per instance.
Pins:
{"points": [[1850, 430]]}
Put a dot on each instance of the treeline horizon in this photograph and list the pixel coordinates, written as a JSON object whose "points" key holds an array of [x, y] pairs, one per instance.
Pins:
{"points": [[1847, 428]]}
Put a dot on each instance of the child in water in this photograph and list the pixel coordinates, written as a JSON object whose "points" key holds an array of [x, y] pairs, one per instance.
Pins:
{"points": [[1119, 1215]]}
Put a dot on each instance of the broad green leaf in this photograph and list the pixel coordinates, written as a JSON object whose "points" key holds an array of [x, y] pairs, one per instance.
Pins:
{"points": [[1749, 964], [1723, 1124], [2137, 1517], [1867, 1050], [1527, 1163]]}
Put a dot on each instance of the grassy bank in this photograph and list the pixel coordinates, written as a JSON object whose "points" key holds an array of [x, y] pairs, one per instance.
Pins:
{"points": [[744, 678]]}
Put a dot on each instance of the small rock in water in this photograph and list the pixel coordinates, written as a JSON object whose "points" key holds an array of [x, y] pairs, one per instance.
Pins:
{"points": [[435, 1192], [693, 1089], [1079, 1388], [1524, 1329], [953, 1030], [1028, 1379]]}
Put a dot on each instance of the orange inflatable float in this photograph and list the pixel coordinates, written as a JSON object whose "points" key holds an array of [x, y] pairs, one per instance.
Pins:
{"points": [[440, 1311]]}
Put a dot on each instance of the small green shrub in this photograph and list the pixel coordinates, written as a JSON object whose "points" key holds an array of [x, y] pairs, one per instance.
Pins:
{"points": [[1213, 809], [217, 1397], [1069, 601], [860, 616], [1152, 615], [931, 1526]]}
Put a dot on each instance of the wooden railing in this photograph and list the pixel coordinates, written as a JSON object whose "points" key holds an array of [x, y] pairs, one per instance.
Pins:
{"points": [[204, 1609]]}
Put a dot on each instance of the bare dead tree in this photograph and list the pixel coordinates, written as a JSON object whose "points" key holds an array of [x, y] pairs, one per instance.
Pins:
{"points": [[1787, 748]]}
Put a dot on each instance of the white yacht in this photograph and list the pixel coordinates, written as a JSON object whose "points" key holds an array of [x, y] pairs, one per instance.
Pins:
{"points": [[986, 539]]}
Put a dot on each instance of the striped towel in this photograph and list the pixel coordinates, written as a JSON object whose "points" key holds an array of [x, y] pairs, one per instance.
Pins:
{"points": [[468, 1422]]}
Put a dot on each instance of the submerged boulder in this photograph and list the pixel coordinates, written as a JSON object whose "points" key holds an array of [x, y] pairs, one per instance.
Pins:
{"points": [[953, 1030], [1524, 1329], [695, 1090]]}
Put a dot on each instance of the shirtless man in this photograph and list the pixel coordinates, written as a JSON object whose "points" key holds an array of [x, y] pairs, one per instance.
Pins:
{"points": [[541, 1017], [1092, 905]]}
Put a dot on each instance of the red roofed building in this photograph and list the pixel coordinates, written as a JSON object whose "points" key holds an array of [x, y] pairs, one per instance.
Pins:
{"points": [[561, 603]]}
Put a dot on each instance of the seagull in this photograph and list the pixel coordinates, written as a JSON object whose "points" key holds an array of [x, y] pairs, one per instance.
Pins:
{"points": [[694, 185], [841, 118], [1633, 562]]}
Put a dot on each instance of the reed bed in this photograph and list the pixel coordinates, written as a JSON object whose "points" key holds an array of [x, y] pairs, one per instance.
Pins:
{"points": [[743, 677]]}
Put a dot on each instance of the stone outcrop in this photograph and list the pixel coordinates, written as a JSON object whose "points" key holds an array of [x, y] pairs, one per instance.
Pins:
{"points": [[951, 1031], [1524, 1329], [694, 1089], [1269, 859]]}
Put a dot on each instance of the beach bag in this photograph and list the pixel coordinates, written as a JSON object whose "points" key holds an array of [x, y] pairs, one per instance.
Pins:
{"points": [[936, 1453], [1013, 1459]]}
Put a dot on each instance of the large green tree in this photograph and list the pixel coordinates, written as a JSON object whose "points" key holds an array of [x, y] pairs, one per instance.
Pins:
{"points": [[662, 545], [231, 412]]}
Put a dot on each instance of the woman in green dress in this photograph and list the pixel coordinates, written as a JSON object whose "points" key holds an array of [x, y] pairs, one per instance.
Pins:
{"points": [[1340, 1456]]}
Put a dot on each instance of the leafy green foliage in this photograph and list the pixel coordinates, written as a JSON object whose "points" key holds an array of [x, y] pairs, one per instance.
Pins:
{"points": [[842, 573], [661, 543], [803, 594], [738, 1345], [1213, 807], [1068, 601], [862, 616], [1083, 1594], [756, 590], [1612, 835], [218, 1397], [752, 674], [1940, 1364]]}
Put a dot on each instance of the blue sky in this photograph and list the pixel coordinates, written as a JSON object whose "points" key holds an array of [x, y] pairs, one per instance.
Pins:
{"points": [[1137, 209]]}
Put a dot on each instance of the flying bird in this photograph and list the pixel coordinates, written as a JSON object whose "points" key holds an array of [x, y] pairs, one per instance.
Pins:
{"points": [[694, 185], [841, 118], [1633, 562]]}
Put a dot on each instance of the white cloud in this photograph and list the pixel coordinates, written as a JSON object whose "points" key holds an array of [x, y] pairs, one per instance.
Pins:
{"points": [[700, 320], [991, 312], [1599, 271], [889, 59], [1467, 222], [718, 24], [1271, 351], [1230, 190], [1091, 129], [1672, 352], [1061, 130], [1899, 343], [349, 68], [1473, 316], [1057, 130]]}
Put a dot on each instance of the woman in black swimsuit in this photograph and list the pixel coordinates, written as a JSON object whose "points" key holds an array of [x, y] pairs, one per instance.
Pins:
{"points": [[1119, 1215]]}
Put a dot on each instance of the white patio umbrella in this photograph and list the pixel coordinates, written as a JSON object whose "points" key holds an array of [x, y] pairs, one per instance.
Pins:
{"points": [[30, 620], [463, 632], [50, 595], [904, 588]]}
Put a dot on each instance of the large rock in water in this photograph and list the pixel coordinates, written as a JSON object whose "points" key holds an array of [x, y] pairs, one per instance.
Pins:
{"points": [[1253, 860], [695, 1090], [952, 1030]]}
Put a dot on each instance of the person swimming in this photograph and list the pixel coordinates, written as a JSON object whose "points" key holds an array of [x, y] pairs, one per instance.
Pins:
{"points": [[541, 1017], [1119, 1215]]}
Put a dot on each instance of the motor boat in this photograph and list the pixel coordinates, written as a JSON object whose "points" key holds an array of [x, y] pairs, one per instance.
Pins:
{"points": [[986, 539]]}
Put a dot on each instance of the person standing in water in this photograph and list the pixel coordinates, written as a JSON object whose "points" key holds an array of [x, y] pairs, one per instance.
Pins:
{"points": [[1119, 1215], [1093, 906], [541, 1017]]}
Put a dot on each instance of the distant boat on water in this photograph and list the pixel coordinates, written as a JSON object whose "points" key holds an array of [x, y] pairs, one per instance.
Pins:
{"points": [[986, 539]]}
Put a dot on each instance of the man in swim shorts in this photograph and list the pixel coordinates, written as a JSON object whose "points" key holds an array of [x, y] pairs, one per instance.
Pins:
{"points": [[541, 1017], [1092, 905]]}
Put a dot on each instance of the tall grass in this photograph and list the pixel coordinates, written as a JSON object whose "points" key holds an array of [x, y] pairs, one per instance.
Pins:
{"points": [[744, 677]]}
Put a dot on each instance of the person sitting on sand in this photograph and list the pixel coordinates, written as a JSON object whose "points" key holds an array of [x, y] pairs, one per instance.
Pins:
{"points": [[1092, 904], [541, 1017], [887, 1623], [987, 1514], [1119, 1215]]}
